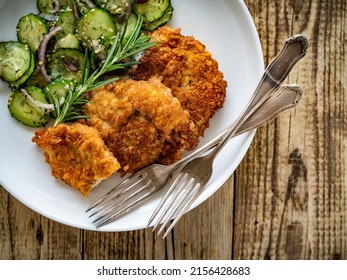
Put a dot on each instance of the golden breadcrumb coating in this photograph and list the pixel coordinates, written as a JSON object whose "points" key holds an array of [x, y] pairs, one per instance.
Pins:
{"points": [[185, 66], [138, 120], [152, 117], [77, 155]]}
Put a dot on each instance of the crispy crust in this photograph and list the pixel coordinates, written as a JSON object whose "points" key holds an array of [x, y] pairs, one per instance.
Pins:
{"points": [[154, 116], [183, 64], [138, 120], [77, 155]]}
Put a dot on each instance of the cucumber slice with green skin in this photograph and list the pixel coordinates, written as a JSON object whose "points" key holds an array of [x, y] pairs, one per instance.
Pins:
{"points": [[82, 7], [130, 24], [65, 4], [31, 29], [47, 6], [151, 10], [67, 22], [66, 64], [27, 74], [36, 79], [150, 26], [58, 88], [15, 59], [25, 112], [95, 25], [118, 8], [70, 41]]}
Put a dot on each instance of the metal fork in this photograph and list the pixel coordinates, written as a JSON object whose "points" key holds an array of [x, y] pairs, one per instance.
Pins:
{"points": [[147, 181], [137, 188], [195, 175]]}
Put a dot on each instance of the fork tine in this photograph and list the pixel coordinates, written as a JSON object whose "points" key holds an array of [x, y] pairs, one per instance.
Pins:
{"points": [[122, 195], [190, 188], [184, 209], [110, 215], [174, 201], [119, 200], [108, 195], [97, 205], [166, 199]]}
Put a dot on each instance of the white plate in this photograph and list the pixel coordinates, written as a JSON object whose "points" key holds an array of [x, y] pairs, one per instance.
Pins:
{"points": [[227, 30]]}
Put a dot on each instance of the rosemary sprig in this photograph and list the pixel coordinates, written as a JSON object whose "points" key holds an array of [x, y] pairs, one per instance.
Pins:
{"points": [[119, 56]]}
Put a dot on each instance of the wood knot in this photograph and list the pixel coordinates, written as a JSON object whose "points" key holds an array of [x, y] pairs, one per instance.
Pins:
{"points": [[39, 235], [298, 171]]}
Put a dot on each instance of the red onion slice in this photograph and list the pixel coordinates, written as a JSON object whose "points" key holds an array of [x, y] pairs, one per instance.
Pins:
{"points": [[75, 12], [89, 3], [129, 10], [56, 6], [42, 52], [45, 106]]}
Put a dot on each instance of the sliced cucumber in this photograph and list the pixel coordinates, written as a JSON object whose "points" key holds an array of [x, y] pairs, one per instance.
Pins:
{"points": [[66, 64], [150, 26], [25, 112], [130, 25], [70, 41], [151, 10], [31, 29], [15, 59], [27, 73], [57, 88], [36, 79], [67, 22], [65, 4], [47, 6], [82, 7], [96, 25], [118, 8]]}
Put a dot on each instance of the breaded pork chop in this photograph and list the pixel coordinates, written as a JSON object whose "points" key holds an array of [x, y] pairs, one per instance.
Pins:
{"points": [[77, 155], [185, 66], [140, 122]]}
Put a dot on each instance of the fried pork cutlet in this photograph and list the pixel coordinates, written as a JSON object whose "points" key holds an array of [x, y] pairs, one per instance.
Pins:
{"points": [[77, 155], [183, 64], [140, 122]]}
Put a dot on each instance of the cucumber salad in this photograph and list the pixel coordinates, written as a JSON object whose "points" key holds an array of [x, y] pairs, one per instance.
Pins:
{"points": [[73, 46]]}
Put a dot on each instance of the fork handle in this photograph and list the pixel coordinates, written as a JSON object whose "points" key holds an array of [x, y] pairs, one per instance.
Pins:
{"points": [[275, 73]]}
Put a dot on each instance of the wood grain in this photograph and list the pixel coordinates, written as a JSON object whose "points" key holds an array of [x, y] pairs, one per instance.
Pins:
{"points": [[291, 194], [286, 200]]}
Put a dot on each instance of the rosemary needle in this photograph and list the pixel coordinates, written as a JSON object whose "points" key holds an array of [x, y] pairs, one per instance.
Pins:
{"points": [[119, 56]]}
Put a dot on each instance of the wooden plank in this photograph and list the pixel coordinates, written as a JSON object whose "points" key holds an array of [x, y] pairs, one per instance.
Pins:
{"points": [[27, 235], [16, 236], [289, 200], [291, 186], [207, 231], [200, 234], [130, 245]]}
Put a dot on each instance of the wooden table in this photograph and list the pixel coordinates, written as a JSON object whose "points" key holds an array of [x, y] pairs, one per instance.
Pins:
{"points": [[287, 199]]}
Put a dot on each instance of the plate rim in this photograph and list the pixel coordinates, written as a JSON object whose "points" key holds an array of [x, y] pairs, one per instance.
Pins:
{"points": [[248, 140]]}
